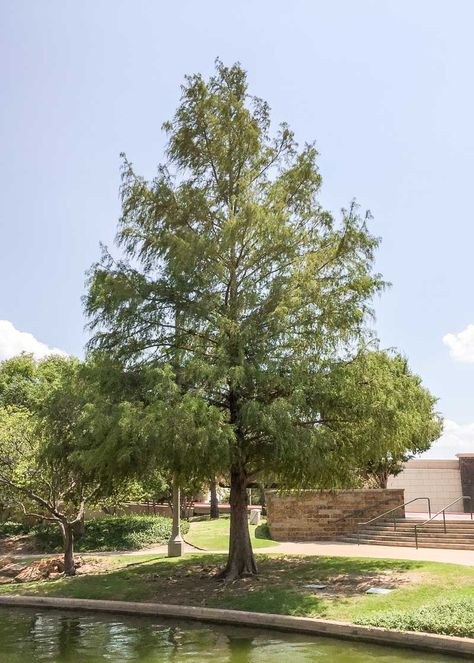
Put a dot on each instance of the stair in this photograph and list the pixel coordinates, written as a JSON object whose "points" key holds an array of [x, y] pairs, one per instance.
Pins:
{"points": [[459, 535]]}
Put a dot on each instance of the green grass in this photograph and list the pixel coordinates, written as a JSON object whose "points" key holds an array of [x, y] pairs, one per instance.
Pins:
{"points": [[420, 589], [209, 534]]}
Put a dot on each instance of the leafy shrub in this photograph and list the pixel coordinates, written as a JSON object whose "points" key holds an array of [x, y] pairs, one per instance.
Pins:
{"points": [[262, 531], [450, 617], [9, 528], [110, 533]]}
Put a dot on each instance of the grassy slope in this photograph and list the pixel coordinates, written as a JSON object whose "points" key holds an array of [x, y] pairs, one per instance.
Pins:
{"points": [[214, 535], [279, 588]]}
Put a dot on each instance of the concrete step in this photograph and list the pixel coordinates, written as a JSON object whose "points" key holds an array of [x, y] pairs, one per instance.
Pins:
{"points": [[421, 530], [452, 524], [460, 534], [421, 539], [410, 528], [445, 544]]}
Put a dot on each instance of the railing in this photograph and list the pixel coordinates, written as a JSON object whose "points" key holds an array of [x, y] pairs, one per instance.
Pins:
{"points": [[443, 511], [392, 511]]}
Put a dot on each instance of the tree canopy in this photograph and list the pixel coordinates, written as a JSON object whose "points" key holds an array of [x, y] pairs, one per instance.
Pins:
{"points": [[391, 411]]}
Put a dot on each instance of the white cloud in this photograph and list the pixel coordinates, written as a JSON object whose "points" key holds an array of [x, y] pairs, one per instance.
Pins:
{"points": [[456, 438], [13, 342], [461, 345]]}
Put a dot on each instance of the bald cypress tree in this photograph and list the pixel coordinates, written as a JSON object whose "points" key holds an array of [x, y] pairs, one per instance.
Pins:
{"points": [[234, 274]]}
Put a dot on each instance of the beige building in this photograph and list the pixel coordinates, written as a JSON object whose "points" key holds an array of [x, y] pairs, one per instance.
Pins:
{"points": [[443, 481]]}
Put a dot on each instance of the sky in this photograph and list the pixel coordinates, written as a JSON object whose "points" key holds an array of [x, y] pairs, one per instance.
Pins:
{"points": [[384, 88]]}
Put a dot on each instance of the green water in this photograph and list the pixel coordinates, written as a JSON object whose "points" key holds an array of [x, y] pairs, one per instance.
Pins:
{"points": [[32, 636]]}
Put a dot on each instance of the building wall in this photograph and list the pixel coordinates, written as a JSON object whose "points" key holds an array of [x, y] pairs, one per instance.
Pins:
{"points": [[466, 469], [440, 480], [312, 515]]}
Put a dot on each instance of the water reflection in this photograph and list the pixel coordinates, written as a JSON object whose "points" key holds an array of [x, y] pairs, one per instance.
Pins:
{"points": [[28, 636], [240, 648]]}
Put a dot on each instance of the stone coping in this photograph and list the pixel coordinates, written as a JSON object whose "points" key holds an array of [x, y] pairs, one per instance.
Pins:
{"points": [[427, 642]]}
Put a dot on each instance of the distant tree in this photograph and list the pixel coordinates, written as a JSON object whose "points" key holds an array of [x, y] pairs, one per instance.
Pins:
{"points": [[235, 275], [41, 406], [393, 412], [214, 512], [17, 378]]}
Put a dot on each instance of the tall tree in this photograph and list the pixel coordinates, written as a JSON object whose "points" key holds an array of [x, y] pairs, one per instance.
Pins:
{"points": [[270, 288]]}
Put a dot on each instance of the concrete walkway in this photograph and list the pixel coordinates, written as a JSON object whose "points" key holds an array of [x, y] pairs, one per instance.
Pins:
{"points": [[322, 548], [337, 549]]}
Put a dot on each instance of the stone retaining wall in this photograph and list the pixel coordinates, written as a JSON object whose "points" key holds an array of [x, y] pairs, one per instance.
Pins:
{"points": [[313, 515]]}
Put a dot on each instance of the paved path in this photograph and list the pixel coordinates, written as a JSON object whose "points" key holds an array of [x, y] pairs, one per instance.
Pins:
{"points": [[323, 548], [336, 549]]}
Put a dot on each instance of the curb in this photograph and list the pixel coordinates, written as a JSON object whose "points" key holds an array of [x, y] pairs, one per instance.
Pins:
{"points": [[427, 642]]}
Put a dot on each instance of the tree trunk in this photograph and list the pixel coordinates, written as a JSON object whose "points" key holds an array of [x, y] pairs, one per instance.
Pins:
{"points": [[68, 538], [80, 527], [214, 513], [241, 560], [382, 479]]}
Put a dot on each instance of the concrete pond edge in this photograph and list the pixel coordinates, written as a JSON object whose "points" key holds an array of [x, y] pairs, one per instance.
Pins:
{"points": [[427, 642]]}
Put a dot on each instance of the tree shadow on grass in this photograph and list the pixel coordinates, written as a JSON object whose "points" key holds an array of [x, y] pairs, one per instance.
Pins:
{"points": [[274, 601], [279, 588], [305, 566]]}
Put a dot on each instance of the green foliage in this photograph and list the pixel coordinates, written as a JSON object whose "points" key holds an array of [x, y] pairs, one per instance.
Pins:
{"points": [[11, 528], [131, 532], [42, 431], [236, 277], [447, 617], [142, 428], [388, 408], [17, 378]]}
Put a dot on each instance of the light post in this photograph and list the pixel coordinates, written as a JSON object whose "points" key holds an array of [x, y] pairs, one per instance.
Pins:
{"points": [[176, 543]]}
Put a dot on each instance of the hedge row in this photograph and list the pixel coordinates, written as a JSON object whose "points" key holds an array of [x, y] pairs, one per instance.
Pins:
{"points": [[450, 617], [131, 532]]}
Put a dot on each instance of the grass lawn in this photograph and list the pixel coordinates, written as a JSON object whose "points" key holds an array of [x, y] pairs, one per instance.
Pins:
{"points": [[209, 534], [426, 595]]}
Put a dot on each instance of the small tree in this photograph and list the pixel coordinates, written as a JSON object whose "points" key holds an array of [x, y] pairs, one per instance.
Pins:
{"points": [[39, 436]]}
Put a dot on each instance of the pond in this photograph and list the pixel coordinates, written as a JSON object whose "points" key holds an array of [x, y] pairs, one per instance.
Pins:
{"points": [[28, 635]]}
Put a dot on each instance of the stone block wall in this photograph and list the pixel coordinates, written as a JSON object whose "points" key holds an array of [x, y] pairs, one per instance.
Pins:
{"points": [[312, 515]]}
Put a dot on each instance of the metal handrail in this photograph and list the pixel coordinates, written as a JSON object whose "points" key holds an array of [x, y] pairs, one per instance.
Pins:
{"points": [[443, 511], [393, 512]]}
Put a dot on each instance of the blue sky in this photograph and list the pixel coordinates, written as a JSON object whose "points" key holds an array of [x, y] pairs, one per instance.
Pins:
{"points": [[385, 89]]}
